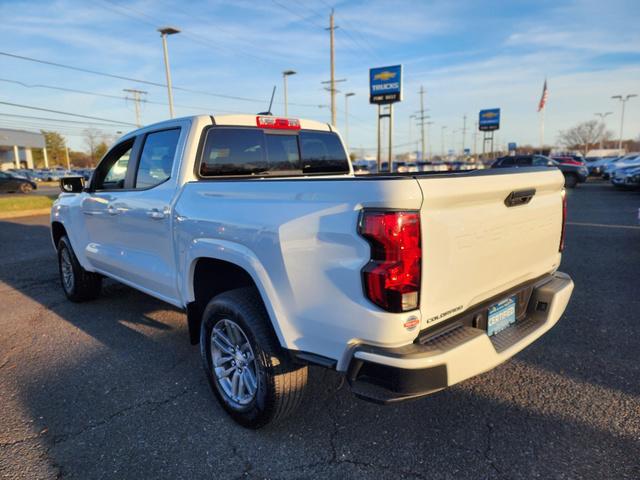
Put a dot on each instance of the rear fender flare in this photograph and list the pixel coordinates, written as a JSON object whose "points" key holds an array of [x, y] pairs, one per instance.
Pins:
{"points": [[244, 258]]}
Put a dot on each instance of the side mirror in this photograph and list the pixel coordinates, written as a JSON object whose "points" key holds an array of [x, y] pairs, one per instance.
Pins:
{"points": [[72, 184]]}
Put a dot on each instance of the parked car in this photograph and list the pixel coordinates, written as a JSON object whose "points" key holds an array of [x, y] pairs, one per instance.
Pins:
{"points": [[573, 173], [625, 161], [596, 167], [11, 182], [626, 178], [569, 159], [283, 258]]}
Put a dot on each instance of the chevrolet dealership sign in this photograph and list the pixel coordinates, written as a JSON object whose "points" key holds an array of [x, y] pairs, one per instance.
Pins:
{"points": [[385, 84]]}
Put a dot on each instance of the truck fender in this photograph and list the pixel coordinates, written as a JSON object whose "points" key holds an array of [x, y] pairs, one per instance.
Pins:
{"points": [[242, 257]]}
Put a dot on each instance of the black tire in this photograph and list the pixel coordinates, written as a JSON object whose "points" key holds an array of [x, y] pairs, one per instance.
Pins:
{"points": [[84, 285], [25, 188], [570, 181], [280, 382]]}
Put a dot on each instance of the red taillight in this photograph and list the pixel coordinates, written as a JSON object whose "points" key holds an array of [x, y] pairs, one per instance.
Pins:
{"points": [[278, 123], [564, 219], [392, 276]]}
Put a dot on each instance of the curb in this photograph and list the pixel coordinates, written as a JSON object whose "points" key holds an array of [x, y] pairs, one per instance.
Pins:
{"points": [[25, 213]]}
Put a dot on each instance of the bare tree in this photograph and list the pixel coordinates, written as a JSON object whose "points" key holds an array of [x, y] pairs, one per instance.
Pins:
{"points": [[584, 136], [92, 138]]}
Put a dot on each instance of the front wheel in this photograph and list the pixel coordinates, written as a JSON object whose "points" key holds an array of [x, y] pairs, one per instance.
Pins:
{"points": [[252, 377], [78, 284], [25, 188]]}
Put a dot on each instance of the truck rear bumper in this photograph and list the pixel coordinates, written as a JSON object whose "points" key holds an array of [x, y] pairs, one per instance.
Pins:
{"points": [[386, 375]]}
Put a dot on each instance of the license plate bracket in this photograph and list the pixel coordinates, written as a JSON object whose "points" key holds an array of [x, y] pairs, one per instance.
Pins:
{"points": [[501, 315]]}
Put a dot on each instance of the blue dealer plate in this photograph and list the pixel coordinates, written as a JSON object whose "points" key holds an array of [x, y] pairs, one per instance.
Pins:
{"points": [[501, 315]]}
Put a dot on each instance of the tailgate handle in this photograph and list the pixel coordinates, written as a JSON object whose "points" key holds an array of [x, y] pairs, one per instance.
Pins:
{"points": [[519, 197]]}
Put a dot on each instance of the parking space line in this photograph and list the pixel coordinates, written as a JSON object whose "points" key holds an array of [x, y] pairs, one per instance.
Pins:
{"points": [[603, 225]]}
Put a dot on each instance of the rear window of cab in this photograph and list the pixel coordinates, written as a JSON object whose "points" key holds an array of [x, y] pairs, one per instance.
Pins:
{"points": [[238, 151]]}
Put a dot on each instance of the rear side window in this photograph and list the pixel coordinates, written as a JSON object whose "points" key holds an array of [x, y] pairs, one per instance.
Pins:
{"points": [[253, 151], [524, 161], [157, 157], [507, 162], [322, 152]]}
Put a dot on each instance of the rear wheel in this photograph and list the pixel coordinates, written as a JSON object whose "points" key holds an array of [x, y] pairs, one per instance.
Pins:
{"points": [[570, 181], [25, 188], [252, 377], [78, 284]]}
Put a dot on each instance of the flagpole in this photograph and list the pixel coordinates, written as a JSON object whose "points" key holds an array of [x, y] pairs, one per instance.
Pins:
{"points": [[542, 129]]}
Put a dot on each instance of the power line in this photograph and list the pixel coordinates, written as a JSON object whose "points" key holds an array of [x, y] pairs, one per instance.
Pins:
{"points": [[145, 82], [365, 45], [116, 97], [66, 113], [154, 22], [56, 120]]}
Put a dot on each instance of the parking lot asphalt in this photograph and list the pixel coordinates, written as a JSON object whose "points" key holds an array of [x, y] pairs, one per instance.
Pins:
{"points": [[113, 389]]}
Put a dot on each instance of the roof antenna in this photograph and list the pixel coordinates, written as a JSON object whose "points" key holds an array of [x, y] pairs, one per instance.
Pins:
{"points": [[268, 112]]}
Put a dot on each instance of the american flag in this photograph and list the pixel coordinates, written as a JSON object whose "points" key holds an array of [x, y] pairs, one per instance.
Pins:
{"points": [[543, 98]]}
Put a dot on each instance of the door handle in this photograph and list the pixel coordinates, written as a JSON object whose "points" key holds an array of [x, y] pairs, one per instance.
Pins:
{"points": [[111, 210], [156, 214]]}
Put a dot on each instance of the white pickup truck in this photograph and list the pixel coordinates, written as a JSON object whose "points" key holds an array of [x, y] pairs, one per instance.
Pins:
{"points": [[257, 227]]}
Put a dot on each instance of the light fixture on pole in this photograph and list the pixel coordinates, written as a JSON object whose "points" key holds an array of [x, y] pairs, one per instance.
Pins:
{"points": [[346, 117], [624, 99], [285, 74], [602, 116], [164, 31]]}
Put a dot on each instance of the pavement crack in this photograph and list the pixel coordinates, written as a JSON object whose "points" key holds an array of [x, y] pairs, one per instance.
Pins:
{"points": [[92, 426], [487, 450]]}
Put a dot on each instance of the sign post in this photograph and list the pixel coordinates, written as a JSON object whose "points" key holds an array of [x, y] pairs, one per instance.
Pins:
{"points": [[385, 88], [488, 122]]}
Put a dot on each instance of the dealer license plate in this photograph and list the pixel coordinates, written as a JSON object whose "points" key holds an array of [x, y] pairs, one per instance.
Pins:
{"points": [[501, 315]]}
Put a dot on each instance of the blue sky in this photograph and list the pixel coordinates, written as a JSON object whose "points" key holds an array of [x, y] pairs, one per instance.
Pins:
{"points": [[468, 55]]}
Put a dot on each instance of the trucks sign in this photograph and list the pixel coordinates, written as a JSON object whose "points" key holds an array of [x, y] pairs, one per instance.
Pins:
{"points": [[489, 119], [385, 84]]}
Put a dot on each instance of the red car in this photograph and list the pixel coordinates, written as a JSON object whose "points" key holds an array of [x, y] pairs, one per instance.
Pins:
{"points": [[570, 160]]}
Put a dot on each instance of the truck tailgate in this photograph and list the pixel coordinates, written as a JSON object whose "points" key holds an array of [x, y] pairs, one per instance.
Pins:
{"points": [[474, 246]]}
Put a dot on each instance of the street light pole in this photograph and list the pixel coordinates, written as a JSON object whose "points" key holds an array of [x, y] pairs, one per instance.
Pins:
{"points": [[164, 31], [442, 128], [285, 74], [429, 141], [602, 116], [346, 117], [411, 117], [624, 99]]}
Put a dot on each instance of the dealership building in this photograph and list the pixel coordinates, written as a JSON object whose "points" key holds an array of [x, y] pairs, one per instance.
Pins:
{"points": [[15, 148]]}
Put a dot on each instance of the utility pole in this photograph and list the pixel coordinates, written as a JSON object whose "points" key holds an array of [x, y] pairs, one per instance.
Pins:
{"points": [[164, 31], [332, 82], [624, 99], [136, 97], [66, 152], [411, 117], [422, 119], [346, 117], [442, 129], [475, 141], [464, 132], [602, 116]]}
